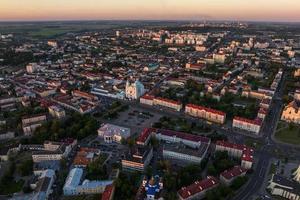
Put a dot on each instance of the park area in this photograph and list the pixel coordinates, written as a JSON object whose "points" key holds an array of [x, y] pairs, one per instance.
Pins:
{"points": [[288, 133]]}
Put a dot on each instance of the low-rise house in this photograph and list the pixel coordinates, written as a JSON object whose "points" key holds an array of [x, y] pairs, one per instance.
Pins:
{"points": [[57, 112], [30, 123], [85, 156]]}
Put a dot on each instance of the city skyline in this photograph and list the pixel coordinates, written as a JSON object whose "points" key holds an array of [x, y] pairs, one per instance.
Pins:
{"points": [[247, 10]]}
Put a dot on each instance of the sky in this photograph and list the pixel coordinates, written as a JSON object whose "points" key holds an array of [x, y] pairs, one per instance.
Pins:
{"points": [[250, 10]]}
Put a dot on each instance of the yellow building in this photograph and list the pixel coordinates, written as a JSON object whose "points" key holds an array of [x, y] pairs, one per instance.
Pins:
{"points": [[291, 113]]}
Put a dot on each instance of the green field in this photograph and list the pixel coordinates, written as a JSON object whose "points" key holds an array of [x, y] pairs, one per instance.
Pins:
{"points": [[290, 134]]}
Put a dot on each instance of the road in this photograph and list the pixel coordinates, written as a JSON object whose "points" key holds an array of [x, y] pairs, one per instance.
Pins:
{"points": [[262, 156], [265, 154]]}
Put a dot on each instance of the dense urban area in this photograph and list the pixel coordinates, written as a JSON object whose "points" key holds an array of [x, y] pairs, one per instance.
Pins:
{"points": [[149, 110]]}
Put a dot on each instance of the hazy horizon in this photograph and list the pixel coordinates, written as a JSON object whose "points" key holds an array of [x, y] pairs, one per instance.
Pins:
{"points": [[76, 10]]}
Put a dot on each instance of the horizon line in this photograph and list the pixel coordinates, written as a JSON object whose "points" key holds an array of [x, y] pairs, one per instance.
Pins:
{"points": [[152, 20]]}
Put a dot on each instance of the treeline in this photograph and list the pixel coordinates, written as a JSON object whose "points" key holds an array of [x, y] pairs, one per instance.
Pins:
{"points": [[76, 126]]}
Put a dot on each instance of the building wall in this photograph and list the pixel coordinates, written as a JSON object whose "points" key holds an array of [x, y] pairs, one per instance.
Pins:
{"points": [[213, 117], [246, 126], [146, 101], [181, 156]]}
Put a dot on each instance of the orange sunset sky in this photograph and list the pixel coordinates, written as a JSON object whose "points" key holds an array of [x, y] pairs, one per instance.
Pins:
{"points": [[269, 10]]}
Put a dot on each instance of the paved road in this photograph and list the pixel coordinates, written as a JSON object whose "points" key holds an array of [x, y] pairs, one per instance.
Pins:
{"points": [[265, 154]]}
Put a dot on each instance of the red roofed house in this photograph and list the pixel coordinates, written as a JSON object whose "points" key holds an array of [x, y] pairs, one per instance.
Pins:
{"points": [[147, 99], [228, 176], [198, 189], [109, 192], [84, 95], [205, 113], [238, 151], [145, 136], [176, 105], [196, 67], [247, 124]]}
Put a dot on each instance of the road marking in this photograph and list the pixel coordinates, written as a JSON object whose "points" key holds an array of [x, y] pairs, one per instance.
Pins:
{"points": [[261, 172]]}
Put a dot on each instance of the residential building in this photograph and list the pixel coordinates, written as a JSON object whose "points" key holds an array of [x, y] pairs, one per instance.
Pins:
{"points": [[109, 192], [85, 156], [219, 58], [138, 159], [147, 99], [30, 123], [50, 151], [43, 187], [237, 151], [176, 105], [198, 189], [57, 112], [247, 124], [184, 153], [228, 176], [73, 185], [205, 113], [32, 67]]}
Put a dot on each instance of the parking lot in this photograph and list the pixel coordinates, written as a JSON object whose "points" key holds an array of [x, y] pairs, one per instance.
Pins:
{"points": [[136, 119]]}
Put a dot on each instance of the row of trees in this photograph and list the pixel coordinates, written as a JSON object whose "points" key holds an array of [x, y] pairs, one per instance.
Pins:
{"points": [[96, 170], [180, 124], [76, 126]]}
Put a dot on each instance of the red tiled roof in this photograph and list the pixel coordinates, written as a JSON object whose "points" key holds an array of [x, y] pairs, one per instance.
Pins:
{"points": [[233, 172], [247, 151], [185, 136], [168, 100], [256, 121], [145, 134], [262, 111], [108, 192], [248, 155], [230, 145], [148, 97], [198, 186], [83, 94], [210, 110]]}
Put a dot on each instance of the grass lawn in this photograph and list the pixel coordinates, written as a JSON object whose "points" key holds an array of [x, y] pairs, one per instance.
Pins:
{"points": [[49, 32], [256, 144], [290, 135]]}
